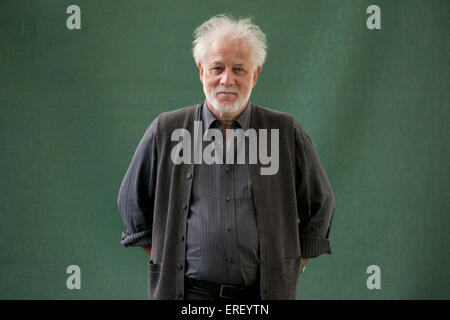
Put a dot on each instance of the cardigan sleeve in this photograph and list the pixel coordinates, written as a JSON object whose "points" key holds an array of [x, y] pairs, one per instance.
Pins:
{"points": [[315, 200], [137, 192]]}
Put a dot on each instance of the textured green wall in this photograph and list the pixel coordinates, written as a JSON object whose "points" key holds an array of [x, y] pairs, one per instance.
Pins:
{"points": [[75, 103]]}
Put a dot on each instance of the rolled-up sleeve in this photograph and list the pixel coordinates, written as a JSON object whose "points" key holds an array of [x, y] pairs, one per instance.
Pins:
{"points": [[315, 200], [137, 192]]}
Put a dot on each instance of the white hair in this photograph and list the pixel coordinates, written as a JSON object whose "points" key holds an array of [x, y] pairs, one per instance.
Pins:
{"points": [[224, 25]]}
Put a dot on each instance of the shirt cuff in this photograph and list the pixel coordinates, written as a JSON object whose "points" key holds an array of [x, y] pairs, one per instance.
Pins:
{"points": [[143, 238], [312, 247]]}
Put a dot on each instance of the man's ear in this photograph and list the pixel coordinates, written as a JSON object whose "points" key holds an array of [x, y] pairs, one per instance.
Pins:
{"points": [[255, 75], [200, 68]]}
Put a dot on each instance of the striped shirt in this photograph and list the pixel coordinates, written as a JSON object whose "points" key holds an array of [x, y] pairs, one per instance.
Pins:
{"points": [[222, 238]]}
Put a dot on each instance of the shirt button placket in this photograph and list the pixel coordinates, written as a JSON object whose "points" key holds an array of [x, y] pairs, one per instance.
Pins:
{"points": [[229, 213]]}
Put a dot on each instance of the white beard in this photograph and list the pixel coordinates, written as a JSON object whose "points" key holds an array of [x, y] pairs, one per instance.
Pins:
{"points": [[224, 109]]}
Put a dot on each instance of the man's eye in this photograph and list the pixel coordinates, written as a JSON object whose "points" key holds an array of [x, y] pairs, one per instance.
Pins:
{"points": [[217, 69], [238, 70]]}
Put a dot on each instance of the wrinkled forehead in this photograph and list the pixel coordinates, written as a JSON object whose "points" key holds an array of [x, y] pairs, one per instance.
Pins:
{"points": [[229, 51]]}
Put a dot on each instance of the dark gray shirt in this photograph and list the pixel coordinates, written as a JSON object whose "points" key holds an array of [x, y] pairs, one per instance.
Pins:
{"points": [[222, 237]]}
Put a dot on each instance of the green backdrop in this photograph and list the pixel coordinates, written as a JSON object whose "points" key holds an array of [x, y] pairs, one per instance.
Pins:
{"points": [[75, 103]]}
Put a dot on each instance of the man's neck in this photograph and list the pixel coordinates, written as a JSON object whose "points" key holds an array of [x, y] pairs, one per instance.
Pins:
{"points": [[226, 119]]}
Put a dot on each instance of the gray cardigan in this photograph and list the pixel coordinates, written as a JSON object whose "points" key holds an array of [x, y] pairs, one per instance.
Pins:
{"points": [[294, 207]]}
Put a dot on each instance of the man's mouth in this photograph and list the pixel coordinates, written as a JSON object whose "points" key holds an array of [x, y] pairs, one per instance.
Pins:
{"points": [[227, 93]]}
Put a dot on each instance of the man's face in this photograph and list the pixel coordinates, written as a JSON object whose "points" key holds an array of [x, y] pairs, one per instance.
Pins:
{"points": [[228, 76]]}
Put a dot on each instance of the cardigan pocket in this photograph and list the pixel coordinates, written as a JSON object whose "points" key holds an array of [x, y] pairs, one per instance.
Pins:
{"points": [[154, 273], [282, 277], [154, 267]]}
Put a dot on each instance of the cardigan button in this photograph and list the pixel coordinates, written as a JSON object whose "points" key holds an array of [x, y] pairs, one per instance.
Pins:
{"points": [[180, 266], [185, 206], [189, 175]]}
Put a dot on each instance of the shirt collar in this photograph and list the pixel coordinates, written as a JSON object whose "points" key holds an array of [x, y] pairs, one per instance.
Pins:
{"points": [[243, 121]]}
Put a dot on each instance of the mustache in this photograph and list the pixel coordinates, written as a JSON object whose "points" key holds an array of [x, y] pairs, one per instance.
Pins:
{"points": [[223, 90]]}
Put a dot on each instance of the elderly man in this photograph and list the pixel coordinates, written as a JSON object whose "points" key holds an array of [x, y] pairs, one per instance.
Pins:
{"points": [[225, 230]]}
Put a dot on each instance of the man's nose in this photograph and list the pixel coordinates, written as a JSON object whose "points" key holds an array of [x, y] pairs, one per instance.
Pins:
{"points": [[227, 79]]}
